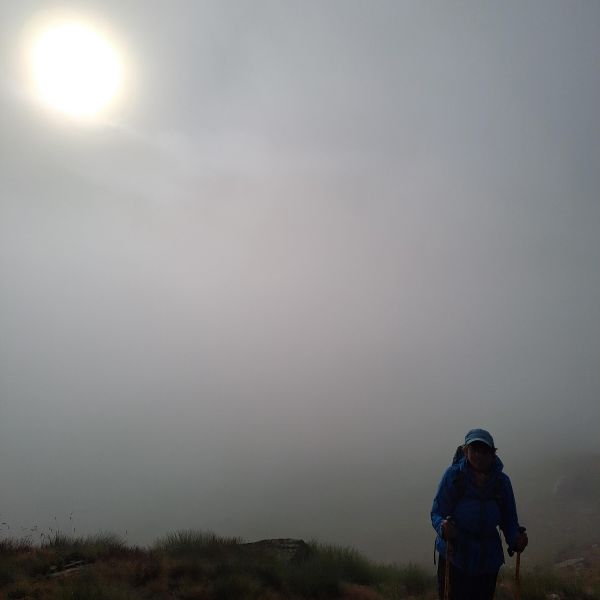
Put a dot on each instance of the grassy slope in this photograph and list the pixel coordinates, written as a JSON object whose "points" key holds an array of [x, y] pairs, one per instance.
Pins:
{"points": [[195, 565]]}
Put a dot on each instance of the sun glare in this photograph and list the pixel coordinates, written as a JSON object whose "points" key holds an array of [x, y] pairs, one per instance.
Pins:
{"points": [[75, 69]]}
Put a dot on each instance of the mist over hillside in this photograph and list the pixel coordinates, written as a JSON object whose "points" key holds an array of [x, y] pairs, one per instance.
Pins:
{"points": [[381, 507]]}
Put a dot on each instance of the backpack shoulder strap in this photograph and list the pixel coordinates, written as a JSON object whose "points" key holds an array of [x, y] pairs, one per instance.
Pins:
{"points": [[498, 493], [459, 488], [459, 483]]}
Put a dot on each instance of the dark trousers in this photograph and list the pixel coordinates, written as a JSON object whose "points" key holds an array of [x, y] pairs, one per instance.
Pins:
{"points": [[466, 587]]}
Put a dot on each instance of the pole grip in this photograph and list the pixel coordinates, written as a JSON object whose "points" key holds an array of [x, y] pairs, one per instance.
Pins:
{"points": [[520, 530]]}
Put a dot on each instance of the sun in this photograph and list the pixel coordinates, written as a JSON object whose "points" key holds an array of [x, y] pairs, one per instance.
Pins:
{"points": [[75, 69]]}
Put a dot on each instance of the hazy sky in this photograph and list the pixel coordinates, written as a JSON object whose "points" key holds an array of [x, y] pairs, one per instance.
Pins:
{"points": [[316, 243]]}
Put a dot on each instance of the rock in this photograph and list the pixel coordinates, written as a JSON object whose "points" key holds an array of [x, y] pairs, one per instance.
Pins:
{"points": [[283, 548], [68, 569], [570, 562]]}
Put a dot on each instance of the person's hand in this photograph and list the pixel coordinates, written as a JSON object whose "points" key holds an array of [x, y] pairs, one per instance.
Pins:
{"points": [[521, 542], [449, 530]]}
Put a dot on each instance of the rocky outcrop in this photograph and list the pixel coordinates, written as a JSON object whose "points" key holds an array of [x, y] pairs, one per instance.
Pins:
{"points": [[68, 569], [577, 563], [283, 548]]}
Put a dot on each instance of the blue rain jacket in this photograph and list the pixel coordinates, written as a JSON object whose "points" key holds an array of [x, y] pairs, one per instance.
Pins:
{"points": [[477, 514]]}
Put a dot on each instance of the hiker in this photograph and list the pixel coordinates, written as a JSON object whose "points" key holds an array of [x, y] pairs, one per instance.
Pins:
{"points": [[473, 499]]}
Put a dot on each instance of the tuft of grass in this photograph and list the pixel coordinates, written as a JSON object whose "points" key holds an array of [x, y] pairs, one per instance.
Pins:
{"points": [[92, 547], [14, 546], [395, 581], [326, 568], [538, 584], [189, 542]]}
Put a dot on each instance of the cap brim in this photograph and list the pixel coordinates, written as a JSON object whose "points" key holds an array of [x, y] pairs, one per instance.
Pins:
{"points": [[480, 440]]}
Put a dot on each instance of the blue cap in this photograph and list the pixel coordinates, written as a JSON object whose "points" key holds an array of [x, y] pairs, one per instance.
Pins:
{"points": [[479, 435]]}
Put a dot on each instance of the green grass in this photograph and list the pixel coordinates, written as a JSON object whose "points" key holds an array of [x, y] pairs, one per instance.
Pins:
{"points": [[401, 581], [540, 582], [196, 543], [536, 585], [10, 545], [89, 548], [196, 565], [324, 570]]}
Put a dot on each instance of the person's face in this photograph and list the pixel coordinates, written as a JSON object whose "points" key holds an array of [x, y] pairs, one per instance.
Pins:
{"points": [[480, 456]]}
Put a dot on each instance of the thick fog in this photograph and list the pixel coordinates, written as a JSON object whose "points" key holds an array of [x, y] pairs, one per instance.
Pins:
{"points": [[313, 245]]}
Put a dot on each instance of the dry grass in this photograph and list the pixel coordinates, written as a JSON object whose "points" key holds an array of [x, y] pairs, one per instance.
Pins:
{"points": [[189, 565], [192, 565]]}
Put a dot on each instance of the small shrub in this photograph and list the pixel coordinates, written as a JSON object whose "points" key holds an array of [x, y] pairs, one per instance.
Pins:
{"points": [[92, 547]]}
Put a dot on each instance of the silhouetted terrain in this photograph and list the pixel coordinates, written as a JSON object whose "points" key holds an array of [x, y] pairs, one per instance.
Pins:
{"points": [[193, 565]]}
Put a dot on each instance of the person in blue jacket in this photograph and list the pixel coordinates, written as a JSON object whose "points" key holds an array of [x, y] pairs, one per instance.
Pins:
{"points": [[473, 499]]}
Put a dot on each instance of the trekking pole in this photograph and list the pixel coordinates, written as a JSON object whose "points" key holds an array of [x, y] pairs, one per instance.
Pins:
{"points": [[518, 571], [518, 577], [447, 567]]}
